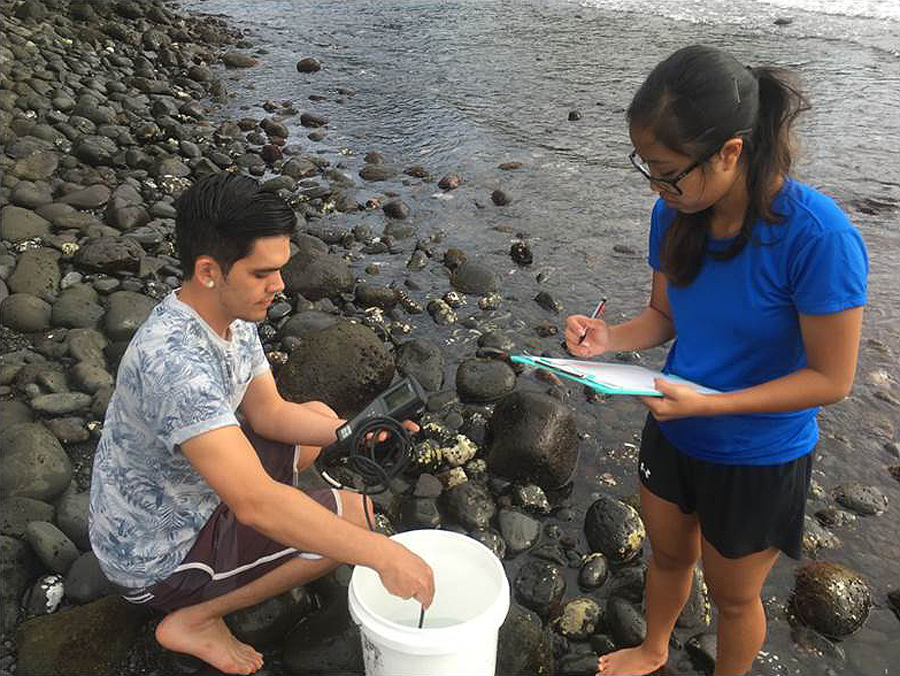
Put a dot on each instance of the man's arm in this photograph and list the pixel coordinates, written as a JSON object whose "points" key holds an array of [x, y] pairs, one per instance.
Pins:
{"points": [[272, 417], [229, 464]]}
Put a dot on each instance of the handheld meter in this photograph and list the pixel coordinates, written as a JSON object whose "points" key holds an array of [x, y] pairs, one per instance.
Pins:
{"points": [[401, 401], [374, 443]]}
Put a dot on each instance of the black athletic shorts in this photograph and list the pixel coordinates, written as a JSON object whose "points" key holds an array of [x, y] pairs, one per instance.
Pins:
{"points": [[227, 554], [742, 509]]}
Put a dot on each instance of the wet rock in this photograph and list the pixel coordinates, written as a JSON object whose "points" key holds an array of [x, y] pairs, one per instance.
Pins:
{"points": [[308, 65], [238, 60], [701, 648], [579, 619], [450, 182], [475, 278], [377, 172], [95, 151], [521, 254], [313, 120], [344, 365], [471, 505], [531, 498], [520, 531], [548, 302], [396, 209], [696, 612], [37, 167], [86, 582], [531, 438], [420, 512], [614, 529], [17, 224], [625, 622], [593, 571], [328, 642], [815, 643], [44, 596], [50, 544], [375, 295], [628, 583], [33, 463], [500, 198], [490, 539], [861, 499], [91, 639], [13, 412], [479, 380], [830, 598], [125, 209], [815, 537], [304, 323], [317, 276], [265, 624], [539, 585], [523, 645], [424, 361], [31, 195]]}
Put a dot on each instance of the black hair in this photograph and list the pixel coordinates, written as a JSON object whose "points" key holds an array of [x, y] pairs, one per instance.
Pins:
{"points": [[222, 215], [693, 102]]}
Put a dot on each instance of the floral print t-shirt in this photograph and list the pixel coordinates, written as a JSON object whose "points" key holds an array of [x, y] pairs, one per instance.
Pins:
{"points": [[177, 379]]}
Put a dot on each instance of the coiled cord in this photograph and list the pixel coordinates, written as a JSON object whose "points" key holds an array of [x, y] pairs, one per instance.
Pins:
{"points": [[376, 462]]}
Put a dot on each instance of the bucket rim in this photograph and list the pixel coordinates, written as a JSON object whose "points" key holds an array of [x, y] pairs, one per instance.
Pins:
{"points": [[432, 640]]}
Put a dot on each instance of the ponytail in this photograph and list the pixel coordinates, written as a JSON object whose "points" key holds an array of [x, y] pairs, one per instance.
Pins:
{"points": [[694, 102]]}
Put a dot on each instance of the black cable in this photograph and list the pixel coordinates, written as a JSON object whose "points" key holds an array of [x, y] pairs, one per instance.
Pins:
{"points": [[376, 462]]}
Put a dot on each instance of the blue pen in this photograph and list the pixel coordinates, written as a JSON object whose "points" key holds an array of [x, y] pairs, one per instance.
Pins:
{"points": [[598, 311]]}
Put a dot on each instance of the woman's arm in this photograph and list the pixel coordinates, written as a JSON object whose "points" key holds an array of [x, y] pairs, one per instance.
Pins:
{"points": [[652, 327], [832, 345]]}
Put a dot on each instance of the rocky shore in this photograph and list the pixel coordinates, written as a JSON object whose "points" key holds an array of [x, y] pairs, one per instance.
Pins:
{"points": [[108, 110]]}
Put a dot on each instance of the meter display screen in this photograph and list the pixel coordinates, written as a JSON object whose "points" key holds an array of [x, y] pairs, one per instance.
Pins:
{"points": [[396, 398]]}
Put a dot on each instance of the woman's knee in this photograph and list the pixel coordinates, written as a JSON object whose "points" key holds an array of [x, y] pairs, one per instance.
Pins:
{"points": [[675, 560]]}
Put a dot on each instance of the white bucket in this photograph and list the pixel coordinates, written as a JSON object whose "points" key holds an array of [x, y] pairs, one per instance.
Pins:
{"points": [[459, 635]]}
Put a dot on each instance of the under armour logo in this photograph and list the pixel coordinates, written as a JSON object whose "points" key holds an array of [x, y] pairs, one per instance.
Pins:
{"points": [[645, 470]]}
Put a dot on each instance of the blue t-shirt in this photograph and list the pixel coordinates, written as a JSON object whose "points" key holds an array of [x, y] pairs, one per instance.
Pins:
{"points": [[737, 322]]}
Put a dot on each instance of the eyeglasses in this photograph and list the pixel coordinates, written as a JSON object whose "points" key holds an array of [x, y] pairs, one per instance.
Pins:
{"points": [[670, 184]]}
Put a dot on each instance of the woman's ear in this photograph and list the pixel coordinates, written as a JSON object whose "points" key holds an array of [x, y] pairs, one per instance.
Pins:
{"points": [[730, 153]]}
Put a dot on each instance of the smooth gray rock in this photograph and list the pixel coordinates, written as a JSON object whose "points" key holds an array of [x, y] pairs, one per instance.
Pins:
{"points": [[36, 273], [77, 307], [484, 380], [539, 585], [17, 567], [92, 197], [17, 224], [25, 313], [52, 547], [424, 361], [520, 531], [72, 517], [110, 254], [17, 513], [85, 581], [61, 403], [90, 378], [475, 278], [33, 463], [126, 312], [471, 505]]}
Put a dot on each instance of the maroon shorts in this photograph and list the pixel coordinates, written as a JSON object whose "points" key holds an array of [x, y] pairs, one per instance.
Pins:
{"points": [[227, 554]]}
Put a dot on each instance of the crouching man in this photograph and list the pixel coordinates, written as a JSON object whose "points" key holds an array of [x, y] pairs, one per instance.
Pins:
{"points": [[192, 512]]}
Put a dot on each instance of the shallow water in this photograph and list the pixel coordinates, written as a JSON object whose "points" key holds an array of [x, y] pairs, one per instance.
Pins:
{"points": [[465, 85]]}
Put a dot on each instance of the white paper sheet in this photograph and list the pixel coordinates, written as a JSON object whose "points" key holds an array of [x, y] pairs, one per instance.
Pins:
{"points": [[628, 378]]}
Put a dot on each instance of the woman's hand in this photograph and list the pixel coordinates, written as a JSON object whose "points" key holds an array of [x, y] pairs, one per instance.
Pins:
{"points": [[596, 341], [678, 401]]}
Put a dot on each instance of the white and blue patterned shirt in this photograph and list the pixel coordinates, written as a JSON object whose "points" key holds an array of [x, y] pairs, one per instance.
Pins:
{"points": [[177, 379]]}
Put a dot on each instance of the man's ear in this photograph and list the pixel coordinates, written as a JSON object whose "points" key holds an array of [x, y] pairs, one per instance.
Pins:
{"points": [[206, 270], [731, 153]]}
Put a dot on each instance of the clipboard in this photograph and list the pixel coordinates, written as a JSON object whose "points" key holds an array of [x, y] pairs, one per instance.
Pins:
{"points": [[609, 377]]}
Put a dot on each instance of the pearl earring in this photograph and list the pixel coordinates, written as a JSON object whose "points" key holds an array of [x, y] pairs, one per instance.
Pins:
{"points": [[210, 283]]}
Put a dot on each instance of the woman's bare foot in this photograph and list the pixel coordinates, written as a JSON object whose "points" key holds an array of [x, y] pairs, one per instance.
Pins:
{"points": [[208, 639], [630, 662]]}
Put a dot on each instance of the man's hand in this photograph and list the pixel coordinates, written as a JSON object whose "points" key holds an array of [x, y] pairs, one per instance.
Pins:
{"points": [[406, 575], [678, 401]]}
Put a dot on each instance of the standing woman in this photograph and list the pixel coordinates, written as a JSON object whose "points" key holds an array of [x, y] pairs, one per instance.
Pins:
{"points": [[761, 281]]}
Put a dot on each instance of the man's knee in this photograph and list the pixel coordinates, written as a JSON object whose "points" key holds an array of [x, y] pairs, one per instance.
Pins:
{"points": [[355, 508], [321, 408]]}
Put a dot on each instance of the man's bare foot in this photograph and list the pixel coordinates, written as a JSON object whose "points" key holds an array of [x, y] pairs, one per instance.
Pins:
{"points": [[208, 639], [630, 662]]}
